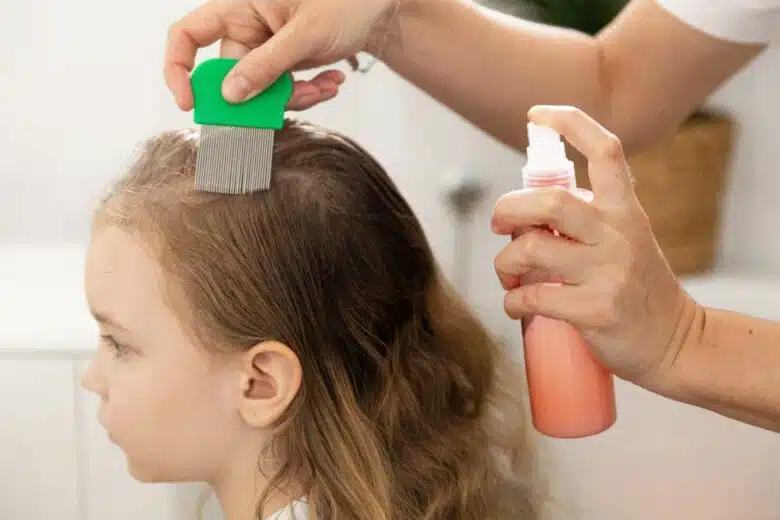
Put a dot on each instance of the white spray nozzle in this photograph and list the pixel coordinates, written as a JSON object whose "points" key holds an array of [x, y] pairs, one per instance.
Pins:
{"points": [[546, 158], [545, 142]]}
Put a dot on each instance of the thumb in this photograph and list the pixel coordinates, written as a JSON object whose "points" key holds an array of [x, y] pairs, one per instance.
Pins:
{"points": [[258, 69], [608, 169]]}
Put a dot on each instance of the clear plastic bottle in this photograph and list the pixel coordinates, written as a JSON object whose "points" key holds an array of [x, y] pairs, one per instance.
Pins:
{"points": [[572, 395]]}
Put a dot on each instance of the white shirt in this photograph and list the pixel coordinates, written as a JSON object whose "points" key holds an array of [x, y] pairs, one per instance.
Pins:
{"points": [[294, 511], [743, 21]]}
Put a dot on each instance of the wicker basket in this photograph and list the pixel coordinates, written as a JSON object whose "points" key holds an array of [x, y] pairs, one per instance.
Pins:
{"points": [[679, 182]]}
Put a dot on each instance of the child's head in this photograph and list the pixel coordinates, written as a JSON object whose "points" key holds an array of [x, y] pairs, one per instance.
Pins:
{"points": [[299, 340]]}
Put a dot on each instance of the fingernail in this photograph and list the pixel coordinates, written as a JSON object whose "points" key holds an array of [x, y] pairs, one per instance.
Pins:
{"points": [[328, 94], [236, 88]]}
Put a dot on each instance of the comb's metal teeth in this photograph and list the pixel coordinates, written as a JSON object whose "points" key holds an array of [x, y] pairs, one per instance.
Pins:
{"points": [[234, 160], [215, 170], [257, 173]]}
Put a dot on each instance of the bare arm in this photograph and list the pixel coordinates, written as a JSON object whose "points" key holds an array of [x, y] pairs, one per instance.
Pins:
{"points": [[728, 363], [640, 77]]}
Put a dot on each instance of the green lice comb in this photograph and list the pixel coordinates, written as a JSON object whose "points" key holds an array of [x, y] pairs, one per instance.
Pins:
{"points": [[236, 143]]}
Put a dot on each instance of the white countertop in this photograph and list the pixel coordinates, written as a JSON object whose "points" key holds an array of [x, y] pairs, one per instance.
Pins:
{"points": [[43, 310], [753, 294]]}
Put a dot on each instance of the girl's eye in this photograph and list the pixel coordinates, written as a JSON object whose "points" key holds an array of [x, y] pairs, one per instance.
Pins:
{"points": [[120, 350]]}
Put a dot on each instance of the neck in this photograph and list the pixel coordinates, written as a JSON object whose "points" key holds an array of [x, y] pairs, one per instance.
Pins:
{"points": [[239, 491]]}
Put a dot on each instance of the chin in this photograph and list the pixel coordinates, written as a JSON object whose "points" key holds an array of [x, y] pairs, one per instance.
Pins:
{"points": [[150, 473], [154, 474], [145, 474]]}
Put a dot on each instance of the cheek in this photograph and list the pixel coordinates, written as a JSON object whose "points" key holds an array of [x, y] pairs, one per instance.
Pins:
{"points": [[136, 404], [171, 428]]}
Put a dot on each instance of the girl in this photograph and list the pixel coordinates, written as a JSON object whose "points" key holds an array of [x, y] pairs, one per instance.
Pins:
{"points": [[298, 346]]}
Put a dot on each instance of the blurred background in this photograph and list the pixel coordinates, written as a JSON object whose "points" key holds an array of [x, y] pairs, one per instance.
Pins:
{"points": [[82, 84]]}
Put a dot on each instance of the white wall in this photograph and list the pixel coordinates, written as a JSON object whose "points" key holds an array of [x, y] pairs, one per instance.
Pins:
{"points": [[82, 83], [751, 208]]}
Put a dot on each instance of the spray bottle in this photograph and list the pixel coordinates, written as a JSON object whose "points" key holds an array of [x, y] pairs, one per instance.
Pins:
{"points": [[572, 395]]}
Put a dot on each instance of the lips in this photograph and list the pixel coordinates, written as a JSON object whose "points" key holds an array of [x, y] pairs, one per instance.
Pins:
{"points": [[102, 423]]}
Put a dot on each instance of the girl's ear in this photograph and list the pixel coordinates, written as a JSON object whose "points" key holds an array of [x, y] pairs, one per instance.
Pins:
{"points": [[270, 380]]}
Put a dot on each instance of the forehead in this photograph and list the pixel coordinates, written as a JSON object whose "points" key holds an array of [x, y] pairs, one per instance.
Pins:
{"points": [[122, 277]]}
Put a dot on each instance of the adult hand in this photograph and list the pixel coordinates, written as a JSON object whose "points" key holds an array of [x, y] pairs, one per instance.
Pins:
{"points": [[270, 37], [619, 290]]}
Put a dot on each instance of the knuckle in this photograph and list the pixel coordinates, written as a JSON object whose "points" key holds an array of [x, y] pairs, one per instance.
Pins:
{"points": [[530, 298], [612, 148], [531, 246], [522, 301], [569, 116], [571, 111], [607, 305], [498, 263], [505, 200], [557, 200], [509, 306], [606, 311], [175, 31], [498, 207]]}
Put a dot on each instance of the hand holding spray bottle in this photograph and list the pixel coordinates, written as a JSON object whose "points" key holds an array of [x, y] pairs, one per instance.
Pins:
{"points": [[572, 395]]}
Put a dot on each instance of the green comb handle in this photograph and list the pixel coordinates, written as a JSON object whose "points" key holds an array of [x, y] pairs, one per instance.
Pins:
{"points": [[265, 110]]}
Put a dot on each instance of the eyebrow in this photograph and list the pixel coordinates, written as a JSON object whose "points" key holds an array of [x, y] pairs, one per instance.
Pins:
{"points": [[106, 319]]}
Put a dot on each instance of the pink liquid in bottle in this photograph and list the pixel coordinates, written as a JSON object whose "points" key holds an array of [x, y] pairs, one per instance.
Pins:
{"points": [[572, 395]]}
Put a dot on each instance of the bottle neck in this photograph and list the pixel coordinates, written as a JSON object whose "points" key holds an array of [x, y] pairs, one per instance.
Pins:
{"points": [[560, 175]]}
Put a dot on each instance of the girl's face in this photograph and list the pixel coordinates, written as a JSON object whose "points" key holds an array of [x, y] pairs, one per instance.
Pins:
{"points": [[169, 404]]}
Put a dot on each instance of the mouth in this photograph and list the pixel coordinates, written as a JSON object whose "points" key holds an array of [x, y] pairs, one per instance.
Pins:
{"points": [[110, 437], [102, 424]]}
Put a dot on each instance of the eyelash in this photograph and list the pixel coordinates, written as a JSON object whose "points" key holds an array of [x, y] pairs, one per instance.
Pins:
{"points": [[119, 349]]}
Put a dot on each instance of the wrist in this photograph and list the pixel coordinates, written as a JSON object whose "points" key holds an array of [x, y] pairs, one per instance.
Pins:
{"points": [[668, 378], [401, 16]]}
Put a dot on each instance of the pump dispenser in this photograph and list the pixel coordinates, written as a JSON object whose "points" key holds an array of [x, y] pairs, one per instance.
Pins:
{"points": [[572, 395], [547, 163]]}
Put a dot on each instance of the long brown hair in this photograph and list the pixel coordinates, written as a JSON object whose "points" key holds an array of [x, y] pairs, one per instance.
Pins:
{"points": [[409, 409]]}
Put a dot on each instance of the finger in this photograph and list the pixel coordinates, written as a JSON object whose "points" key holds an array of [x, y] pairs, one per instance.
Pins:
{"points": [[607, 167], [326, 82], [511, 281], [320, 88], [552, 206], [564, 259], [534, 275], [556, 301], [303, 91], [330, 76], [232, 49], [199, 28], [263, 65], [305, 102]]}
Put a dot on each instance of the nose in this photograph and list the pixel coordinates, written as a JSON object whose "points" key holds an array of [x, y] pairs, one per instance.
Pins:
{"points": [[92, 380]]}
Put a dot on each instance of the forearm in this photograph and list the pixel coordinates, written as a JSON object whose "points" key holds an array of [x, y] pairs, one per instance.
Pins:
{"points": [[728, 363], [640, 77]]}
